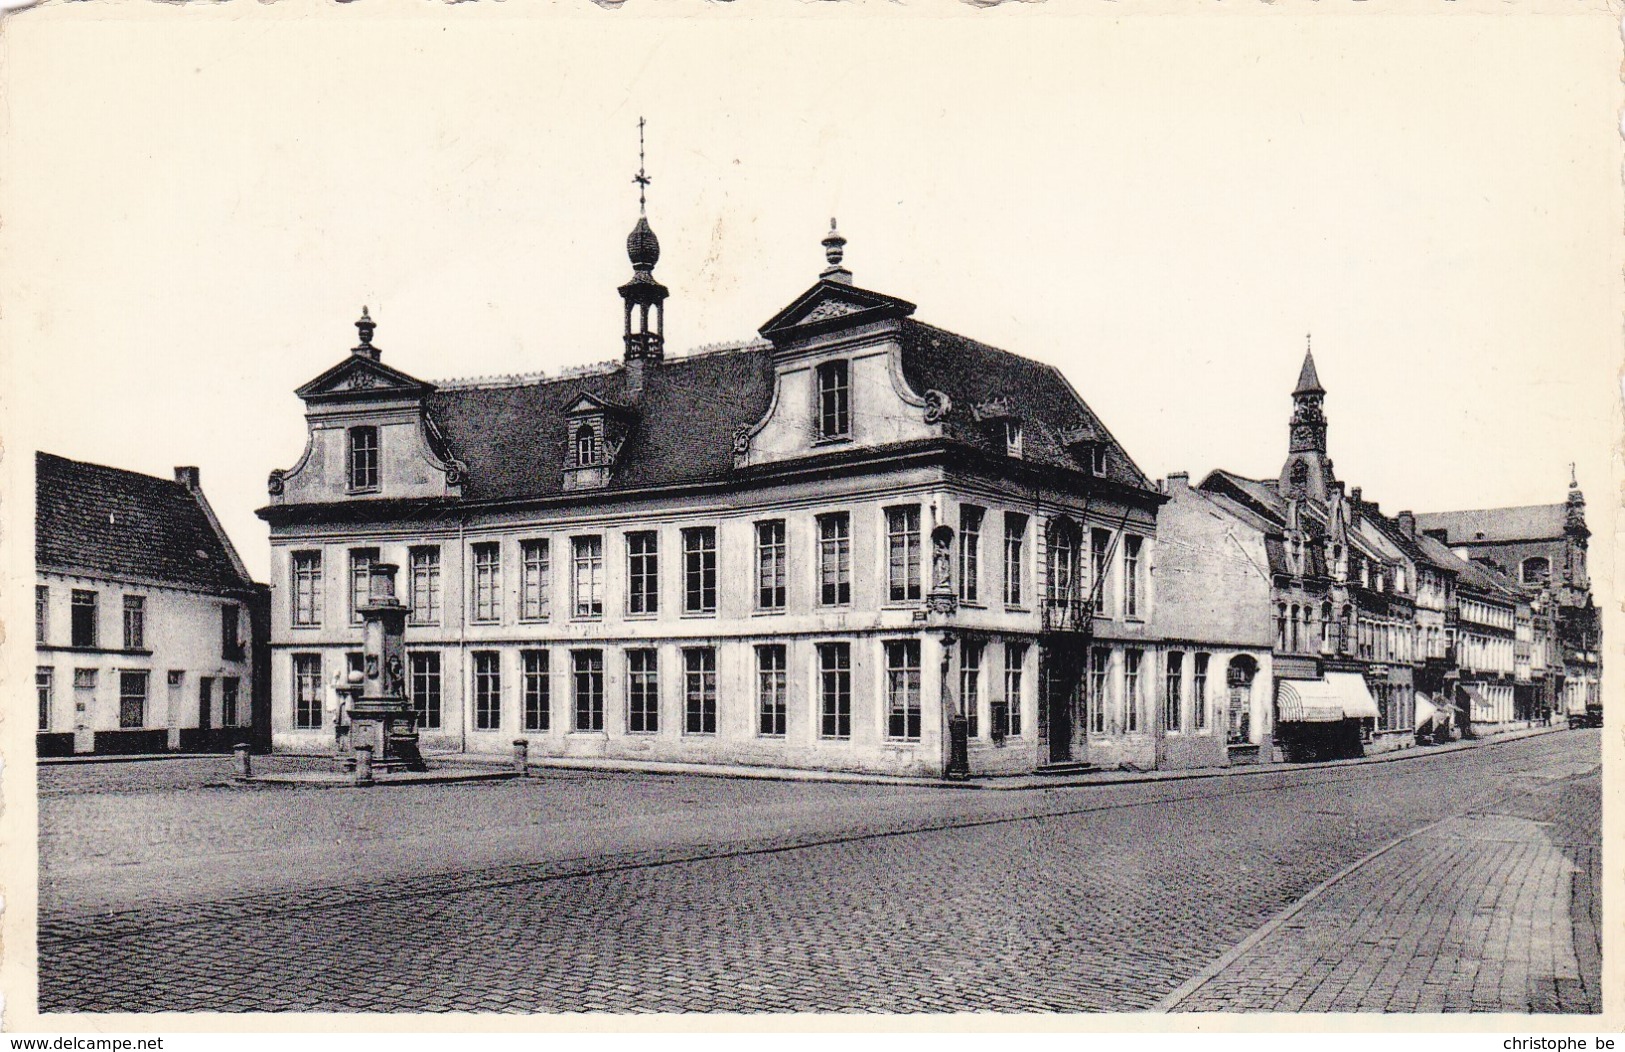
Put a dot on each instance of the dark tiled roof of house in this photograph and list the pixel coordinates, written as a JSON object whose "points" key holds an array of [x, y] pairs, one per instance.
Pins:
{"points": [[1486, 580], [972, 373], [512, 436], [1532, 522], [101, 520]]}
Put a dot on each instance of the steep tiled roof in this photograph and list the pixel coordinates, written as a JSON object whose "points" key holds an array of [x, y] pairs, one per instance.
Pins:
{"points": [[972, 373], [106, 520], [1531, 522], [1486, 580], [512, 436]]}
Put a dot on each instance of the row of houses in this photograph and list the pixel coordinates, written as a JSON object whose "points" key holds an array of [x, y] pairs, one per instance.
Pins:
{"points": [[857, 542]]}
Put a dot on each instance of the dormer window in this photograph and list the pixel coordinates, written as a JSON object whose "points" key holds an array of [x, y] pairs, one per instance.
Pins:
{"points": [[363, 458], [834, 400], [586, 446], [1012, 437]]}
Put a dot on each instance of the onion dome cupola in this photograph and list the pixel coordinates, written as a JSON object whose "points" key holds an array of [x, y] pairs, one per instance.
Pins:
{"points": [[643, 296]]}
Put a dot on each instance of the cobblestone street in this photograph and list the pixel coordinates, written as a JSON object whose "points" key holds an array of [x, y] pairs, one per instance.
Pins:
{"points": [[633, 893]]}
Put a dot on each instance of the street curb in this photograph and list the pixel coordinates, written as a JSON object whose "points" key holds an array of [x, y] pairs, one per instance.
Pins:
{"points": [[1014, 783], [1269, 927]]}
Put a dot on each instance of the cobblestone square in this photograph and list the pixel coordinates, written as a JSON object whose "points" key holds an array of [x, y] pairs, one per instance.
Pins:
{"points": [[167, 891]]}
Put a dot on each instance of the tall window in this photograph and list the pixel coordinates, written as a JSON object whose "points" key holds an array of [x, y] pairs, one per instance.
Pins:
{"points": [[903, 689], [535, 580], [536, 691], [587, 578], [361, 560], [643, 572], [588, 669], [642, 692], [1063, 556], [487, 582], [231, 639], [771, 557], [487, 690], [1099, 661], [970, 553], [700, 570], [834, 559], [1015, 556], [424, 586], [903, 553], [363, 458], [1173, 703], [1199, 691], [307, 691], [834, 400], [1325, 626], [699, 690], [834, 690], [135, 622], [132, 700], [970, 685], [1015, 659], [1131, 689], [44, 681], [84, 618], [1100, 545], [1281, 636], [42, 614], [229, 688], [771, 691], [1132, 585], [1292, 626], [424, 683]]}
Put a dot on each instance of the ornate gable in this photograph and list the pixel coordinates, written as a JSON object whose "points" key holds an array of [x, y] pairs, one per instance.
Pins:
{"points": [[829, 306], [362, 378]]}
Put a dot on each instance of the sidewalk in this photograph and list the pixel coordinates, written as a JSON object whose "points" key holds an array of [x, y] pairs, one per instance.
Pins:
{"points": [[1002, 783], [1480, 912]]}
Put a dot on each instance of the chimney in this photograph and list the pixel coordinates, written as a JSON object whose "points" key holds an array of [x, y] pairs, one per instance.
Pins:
{"points": [[1407, 522], [187, 477], [1179, 480]]}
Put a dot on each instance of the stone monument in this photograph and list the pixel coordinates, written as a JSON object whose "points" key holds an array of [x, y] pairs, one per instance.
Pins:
{"points": [[378, 711]]}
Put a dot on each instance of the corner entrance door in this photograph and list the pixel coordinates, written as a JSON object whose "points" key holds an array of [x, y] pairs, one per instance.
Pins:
{"points": [[84, 709], [205, 704]]}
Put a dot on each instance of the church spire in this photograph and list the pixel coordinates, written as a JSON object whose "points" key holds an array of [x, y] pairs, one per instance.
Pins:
{"points": [[1308, 470], [643, 295]]}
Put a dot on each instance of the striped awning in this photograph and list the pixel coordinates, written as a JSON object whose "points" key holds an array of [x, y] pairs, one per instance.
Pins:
{"points": [[1308, 701], [1340, 696], [1426, 713]]}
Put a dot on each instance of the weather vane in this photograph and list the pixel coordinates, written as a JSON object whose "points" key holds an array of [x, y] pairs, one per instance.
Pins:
{"points": [[641, 178]]}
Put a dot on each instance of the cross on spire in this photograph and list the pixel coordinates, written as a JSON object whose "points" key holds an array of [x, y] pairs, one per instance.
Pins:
{"points": [[642, 179]]}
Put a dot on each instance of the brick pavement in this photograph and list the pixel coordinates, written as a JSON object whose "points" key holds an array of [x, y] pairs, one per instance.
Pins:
{"points": [[1074, 900], [1497, 910]]}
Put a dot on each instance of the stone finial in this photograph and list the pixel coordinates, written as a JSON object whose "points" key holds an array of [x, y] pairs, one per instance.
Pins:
{"points": [[365, 326], [834, 252]]}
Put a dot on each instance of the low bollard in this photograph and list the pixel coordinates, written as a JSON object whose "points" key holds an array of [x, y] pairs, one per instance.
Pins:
{"points": [[521, 757], [363, 765], [245, 766]]}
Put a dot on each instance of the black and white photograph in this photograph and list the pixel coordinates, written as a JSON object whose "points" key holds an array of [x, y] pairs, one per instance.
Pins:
{"points": [[768, 512]]}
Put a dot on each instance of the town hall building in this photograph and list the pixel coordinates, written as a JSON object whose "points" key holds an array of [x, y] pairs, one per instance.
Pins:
{"points": [[825, 548]]}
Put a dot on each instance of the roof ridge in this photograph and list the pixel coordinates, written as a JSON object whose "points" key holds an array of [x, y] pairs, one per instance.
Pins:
{"points": [[109, 468]]}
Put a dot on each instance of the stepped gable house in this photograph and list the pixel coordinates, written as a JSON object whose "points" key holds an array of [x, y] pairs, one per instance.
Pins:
{"points": [[809, 550], [149, 634]]}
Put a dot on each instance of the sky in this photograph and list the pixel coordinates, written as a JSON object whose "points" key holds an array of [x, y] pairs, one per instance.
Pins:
{"points": [[198, 201]]}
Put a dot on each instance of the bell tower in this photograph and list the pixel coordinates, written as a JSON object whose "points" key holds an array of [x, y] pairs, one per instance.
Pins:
{"points": [[1307, 473], [643, 295]]}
